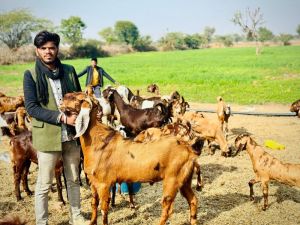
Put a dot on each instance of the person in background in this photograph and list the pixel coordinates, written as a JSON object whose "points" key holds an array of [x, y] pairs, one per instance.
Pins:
{"points": [[52, 131], [95, 77]]}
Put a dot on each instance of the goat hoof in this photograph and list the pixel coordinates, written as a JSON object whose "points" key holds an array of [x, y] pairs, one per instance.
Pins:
{"points": [[264, 208], [198, 188], [29, 193], [251, 198]]}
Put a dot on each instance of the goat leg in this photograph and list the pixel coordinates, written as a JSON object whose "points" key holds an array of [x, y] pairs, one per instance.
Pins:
{"points": [[104, 195], [17, 180], [59, 187], [265, 194], [25, 177], [200, 182], [95, 203], [113, 195], [251, 183]]}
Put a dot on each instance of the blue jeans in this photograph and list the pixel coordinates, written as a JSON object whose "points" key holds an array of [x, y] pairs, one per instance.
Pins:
{"points": [[97, 91]]}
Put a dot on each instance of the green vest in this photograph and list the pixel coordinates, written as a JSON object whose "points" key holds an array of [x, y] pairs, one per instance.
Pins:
{"points": [[47, 137]]}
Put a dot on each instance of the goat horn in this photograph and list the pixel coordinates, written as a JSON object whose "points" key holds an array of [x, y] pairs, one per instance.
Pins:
{"points": [[83, 119]]}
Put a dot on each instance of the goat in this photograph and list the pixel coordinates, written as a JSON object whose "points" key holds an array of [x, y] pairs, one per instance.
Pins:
{"points": [[267, 167], [110, 159], [203, 127], [10, 104], [108, 107], [181, 131], [295, 107], [136, 120], [223, 112], [22, 153], [153, 88], [12, 220]]}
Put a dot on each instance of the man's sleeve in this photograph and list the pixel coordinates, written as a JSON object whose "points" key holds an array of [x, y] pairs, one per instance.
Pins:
{"points": [[107, 76], [32, 104], [82, 72]]}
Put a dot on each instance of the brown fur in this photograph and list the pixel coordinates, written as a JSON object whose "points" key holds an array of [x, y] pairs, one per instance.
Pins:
{"points": [[223, 113], [295, 107], [207, 129], [10, 104], [153, 88], [12, 220], [126, 161], [136, 120], [267, 167], [22, 153]]}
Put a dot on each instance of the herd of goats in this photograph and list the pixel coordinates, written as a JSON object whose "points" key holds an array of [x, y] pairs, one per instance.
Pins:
{"points": [[128, 138]]}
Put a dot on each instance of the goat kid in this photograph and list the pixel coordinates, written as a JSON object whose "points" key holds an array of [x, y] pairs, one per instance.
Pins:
{"points": [[267, 167], [223, 112], [205, 128], [109, 159], [136, 120]]}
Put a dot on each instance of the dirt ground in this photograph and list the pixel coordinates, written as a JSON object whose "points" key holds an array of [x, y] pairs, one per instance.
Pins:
{"points": [[224, 199]]}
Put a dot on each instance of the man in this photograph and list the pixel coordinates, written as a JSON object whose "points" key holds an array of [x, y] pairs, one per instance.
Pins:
{"points": [[95, 77], [52, 131]]}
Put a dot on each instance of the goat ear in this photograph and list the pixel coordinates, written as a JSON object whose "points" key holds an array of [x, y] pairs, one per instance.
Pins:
{"points": [[82, 120]]}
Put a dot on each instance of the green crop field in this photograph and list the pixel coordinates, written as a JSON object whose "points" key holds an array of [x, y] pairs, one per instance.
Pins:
{"points": [[237, 74]]}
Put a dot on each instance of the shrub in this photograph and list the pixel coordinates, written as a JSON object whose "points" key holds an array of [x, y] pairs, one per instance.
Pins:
{"points": [[23, 54]]}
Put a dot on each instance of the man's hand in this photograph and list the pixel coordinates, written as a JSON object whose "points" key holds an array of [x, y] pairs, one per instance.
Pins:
{"points": [[69, 120]]}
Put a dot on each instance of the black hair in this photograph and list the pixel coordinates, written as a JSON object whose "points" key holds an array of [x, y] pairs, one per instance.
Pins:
{"points": [[94, 59], [45, 36]]}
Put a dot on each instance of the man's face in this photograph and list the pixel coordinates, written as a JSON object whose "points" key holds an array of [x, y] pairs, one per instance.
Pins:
{"points": [[93, 63], [47, 52]]}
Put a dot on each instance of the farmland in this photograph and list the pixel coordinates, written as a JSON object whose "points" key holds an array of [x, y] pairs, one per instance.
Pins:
{"points": [[199, 75]]}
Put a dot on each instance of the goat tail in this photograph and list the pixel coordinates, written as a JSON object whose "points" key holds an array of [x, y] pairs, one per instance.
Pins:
{"points": [[219, 98]]}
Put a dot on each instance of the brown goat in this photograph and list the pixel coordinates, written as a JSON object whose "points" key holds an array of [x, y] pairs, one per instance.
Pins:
{"points": [[109, 159], [22, 154], [295, 107], [136, 120], [12, 220], [207, 129], [10, 104], [182, 132], [153, 88], [223, 112], [267, 167]]}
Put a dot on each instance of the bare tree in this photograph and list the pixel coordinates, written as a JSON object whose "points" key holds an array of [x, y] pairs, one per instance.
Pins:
{"points": [[250, 22]]}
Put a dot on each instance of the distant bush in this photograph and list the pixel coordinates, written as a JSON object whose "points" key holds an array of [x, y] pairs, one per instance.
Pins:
{"points": [[23, 54], [144, 44], [90, 48], [117, 49]]}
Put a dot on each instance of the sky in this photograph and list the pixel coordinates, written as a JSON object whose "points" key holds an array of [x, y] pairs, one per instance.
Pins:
{"points": [[158, 17]]}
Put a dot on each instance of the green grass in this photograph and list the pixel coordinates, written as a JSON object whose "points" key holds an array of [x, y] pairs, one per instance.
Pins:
{"points": [[237, 74]]}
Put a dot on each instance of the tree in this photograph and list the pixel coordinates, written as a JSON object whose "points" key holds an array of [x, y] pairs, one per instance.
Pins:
{"points": [[173, 41], [193, 41], [249, 23], [126, 32], [298, 30], [108, 35], [264, 34], [16, 27], [285, 38], [72, 29], [227, 40], [208, 34], [143, 44]]}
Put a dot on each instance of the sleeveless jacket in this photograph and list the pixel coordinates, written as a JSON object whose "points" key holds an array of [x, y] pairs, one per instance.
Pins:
{"points": [[46, 130]]}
